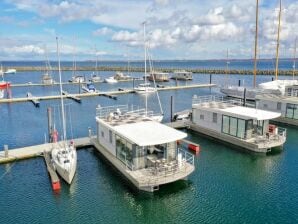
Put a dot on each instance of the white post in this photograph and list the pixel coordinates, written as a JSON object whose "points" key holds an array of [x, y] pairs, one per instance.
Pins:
{"points": [[6, 151]]}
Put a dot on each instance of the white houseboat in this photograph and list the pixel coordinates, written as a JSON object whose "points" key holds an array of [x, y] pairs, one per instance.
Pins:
{"points": [[182, 75], [143, 150], [159, 76], [286, 104], [241, 126]]}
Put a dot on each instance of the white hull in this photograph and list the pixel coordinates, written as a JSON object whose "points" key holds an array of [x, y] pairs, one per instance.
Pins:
{"points": [[10, 71], [65, 162], [111, 80], [1, 93], [145, 90], [157, 118]]}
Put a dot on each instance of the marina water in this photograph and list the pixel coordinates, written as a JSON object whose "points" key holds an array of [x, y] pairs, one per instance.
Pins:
{"points": [[228, 185]]}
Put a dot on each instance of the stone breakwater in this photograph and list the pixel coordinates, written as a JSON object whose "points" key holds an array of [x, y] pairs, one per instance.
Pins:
{"points": [[169, 70]]}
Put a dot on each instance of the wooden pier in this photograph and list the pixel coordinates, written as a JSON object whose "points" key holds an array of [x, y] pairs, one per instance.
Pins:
{"points": [[36, 150], [51, 170], [107, 93]]}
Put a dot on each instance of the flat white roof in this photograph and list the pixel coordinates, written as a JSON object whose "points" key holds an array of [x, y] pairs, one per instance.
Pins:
{"points": [[148, 133], [250, 113]]}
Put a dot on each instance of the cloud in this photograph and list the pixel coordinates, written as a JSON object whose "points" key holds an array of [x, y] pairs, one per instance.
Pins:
{"points": [[24, 50], [103, 31]]}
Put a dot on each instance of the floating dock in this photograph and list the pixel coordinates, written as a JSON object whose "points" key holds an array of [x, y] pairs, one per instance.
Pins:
{"points": [[12, 155], [107, 93], [51, 170]]}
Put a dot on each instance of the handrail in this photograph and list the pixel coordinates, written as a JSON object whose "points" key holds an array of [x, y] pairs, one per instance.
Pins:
{"points": [[214, 98]]}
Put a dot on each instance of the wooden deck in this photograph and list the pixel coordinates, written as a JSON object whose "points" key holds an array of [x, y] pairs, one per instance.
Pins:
{"points": [[36, 150]]}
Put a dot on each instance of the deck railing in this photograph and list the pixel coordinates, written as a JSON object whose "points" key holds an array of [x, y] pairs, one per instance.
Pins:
{"points": [[122, 110], [214, 98]]}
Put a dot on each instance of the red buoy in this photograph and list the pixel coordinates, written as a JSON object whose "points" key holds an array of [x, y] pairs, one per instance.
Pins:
{"points": [[195, 148], [56, 186]]}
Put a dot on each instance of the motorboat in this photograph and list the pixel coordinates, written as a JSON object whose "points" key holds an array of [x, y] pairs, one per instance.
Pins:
{"points": [[89, 88], [110, 80], [10, 71]]}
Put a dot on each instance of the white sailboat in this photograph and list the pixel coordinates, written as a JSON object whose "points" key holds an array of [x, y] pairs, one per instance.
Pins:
{"points": [[145, 88], [64, 155], [276, 87]]}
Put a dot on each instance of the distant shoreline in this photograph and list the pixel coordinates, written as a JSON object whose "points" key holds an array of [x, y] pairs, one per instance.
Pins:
{"points": [[169, 70]]}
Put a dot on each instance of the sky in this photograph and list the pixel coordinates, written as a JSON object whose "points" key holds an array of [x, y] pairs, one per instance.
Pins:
{"points": [[175, 29]]}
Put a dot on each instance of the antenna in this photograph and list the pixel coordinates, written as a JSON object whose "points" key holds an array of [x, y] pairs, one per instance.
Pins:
{"points": [[294, 60], [277, 45], [256, 45]]}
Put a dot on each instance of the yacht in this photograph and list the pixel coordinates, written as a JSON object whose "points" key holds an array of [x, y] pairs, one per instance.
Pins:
{"points": [[145, 88], [95, 78], [122, 77], [142, 150], [64, 155], [77, 79], [89, 88], [110, 80], [229, 121], [10, 71], [47, 79]]}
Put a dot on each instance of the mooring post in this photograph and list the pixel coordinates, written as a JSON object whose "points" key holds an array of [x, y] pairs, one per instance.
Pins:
{"points": [[244, 97], [171, 108], [239, 82], [89, 132], [6, 151]]}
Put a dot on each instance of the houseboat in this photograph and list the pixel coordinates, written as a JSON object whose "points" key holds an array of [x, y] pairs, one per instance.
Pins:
{"points": [[182, 75], [47, 79], [119, 76], [286, 104], [143, 150], [229, 121], [159, 76]]}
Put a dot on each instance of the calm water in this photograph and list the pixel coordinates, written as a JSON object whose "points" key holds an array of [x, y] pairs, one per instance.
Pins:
{"points": [[228, 186]]}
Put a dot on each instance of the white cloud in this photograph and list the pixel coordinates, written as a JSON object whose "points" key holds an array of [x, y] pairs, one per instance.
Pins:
{"points": [[23, 50], [103, 31]]}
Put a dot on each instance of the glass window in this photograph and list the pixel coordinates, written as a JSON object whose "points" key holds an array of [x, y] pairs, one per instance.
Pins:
{"points": [[278, 106], [233, 126], [214, 117], [290, 110], [249, 125], [295, 116], [225, 124], [241, 128], [102, 134], [202, 116], [265, 105]]}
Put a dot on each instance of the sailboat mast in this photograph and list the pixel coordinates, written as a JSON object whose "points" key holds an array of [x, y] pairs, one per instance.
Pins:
{"points": [[61, 96], [227, 68], [294, 60], [277, 46], [96, 60], [256, 44], [145, 68]]}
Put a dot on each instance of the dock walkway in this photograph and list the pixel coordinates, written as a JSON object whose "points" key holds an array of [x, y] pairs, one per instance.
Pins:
{"points": [[37, 150], [111, 93]]}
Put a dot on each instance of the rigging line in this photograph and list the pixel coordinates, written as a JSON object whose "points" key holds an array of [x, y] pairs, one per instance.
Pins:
{"points": [[8, 170], [70, 119], [157, 95]]}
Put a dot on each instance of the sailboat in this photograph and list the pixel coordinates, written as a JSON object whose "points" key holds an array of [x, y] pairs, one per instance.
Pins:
{"points": [[64, 155], [276, 87], [47, 77], [145, 87]]}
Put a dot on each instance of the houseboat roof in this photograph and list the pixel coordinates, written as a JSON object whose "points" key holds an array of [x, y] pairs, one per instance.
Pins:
{"points": [[238, 111], [145, 133], [251, 113]]}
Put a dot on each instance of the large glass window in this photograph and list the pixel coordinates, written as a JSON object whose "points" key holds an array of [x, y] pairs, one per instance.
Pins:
{"points": [[124, 150], [225, 124], [292, 111], [233, 126], [241, 128], [214, 117]]}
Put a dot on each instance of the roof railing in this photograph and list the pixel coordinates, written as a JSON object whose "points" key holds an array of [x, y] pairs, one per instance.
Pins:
{"points": [[196, 100]]}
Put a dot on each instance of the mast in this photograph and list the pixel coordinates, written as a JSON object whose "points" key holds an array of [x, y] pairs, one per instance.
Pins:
{"points": [[96, 61], [145, 67], [256, 45], [227, 67], [61, 96], [277, 45], [294, 60]]}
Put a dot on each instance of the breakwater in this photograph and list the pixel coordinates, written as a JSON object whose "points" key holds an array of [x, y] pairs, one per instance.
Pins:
{"points": [[169, 70]]}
